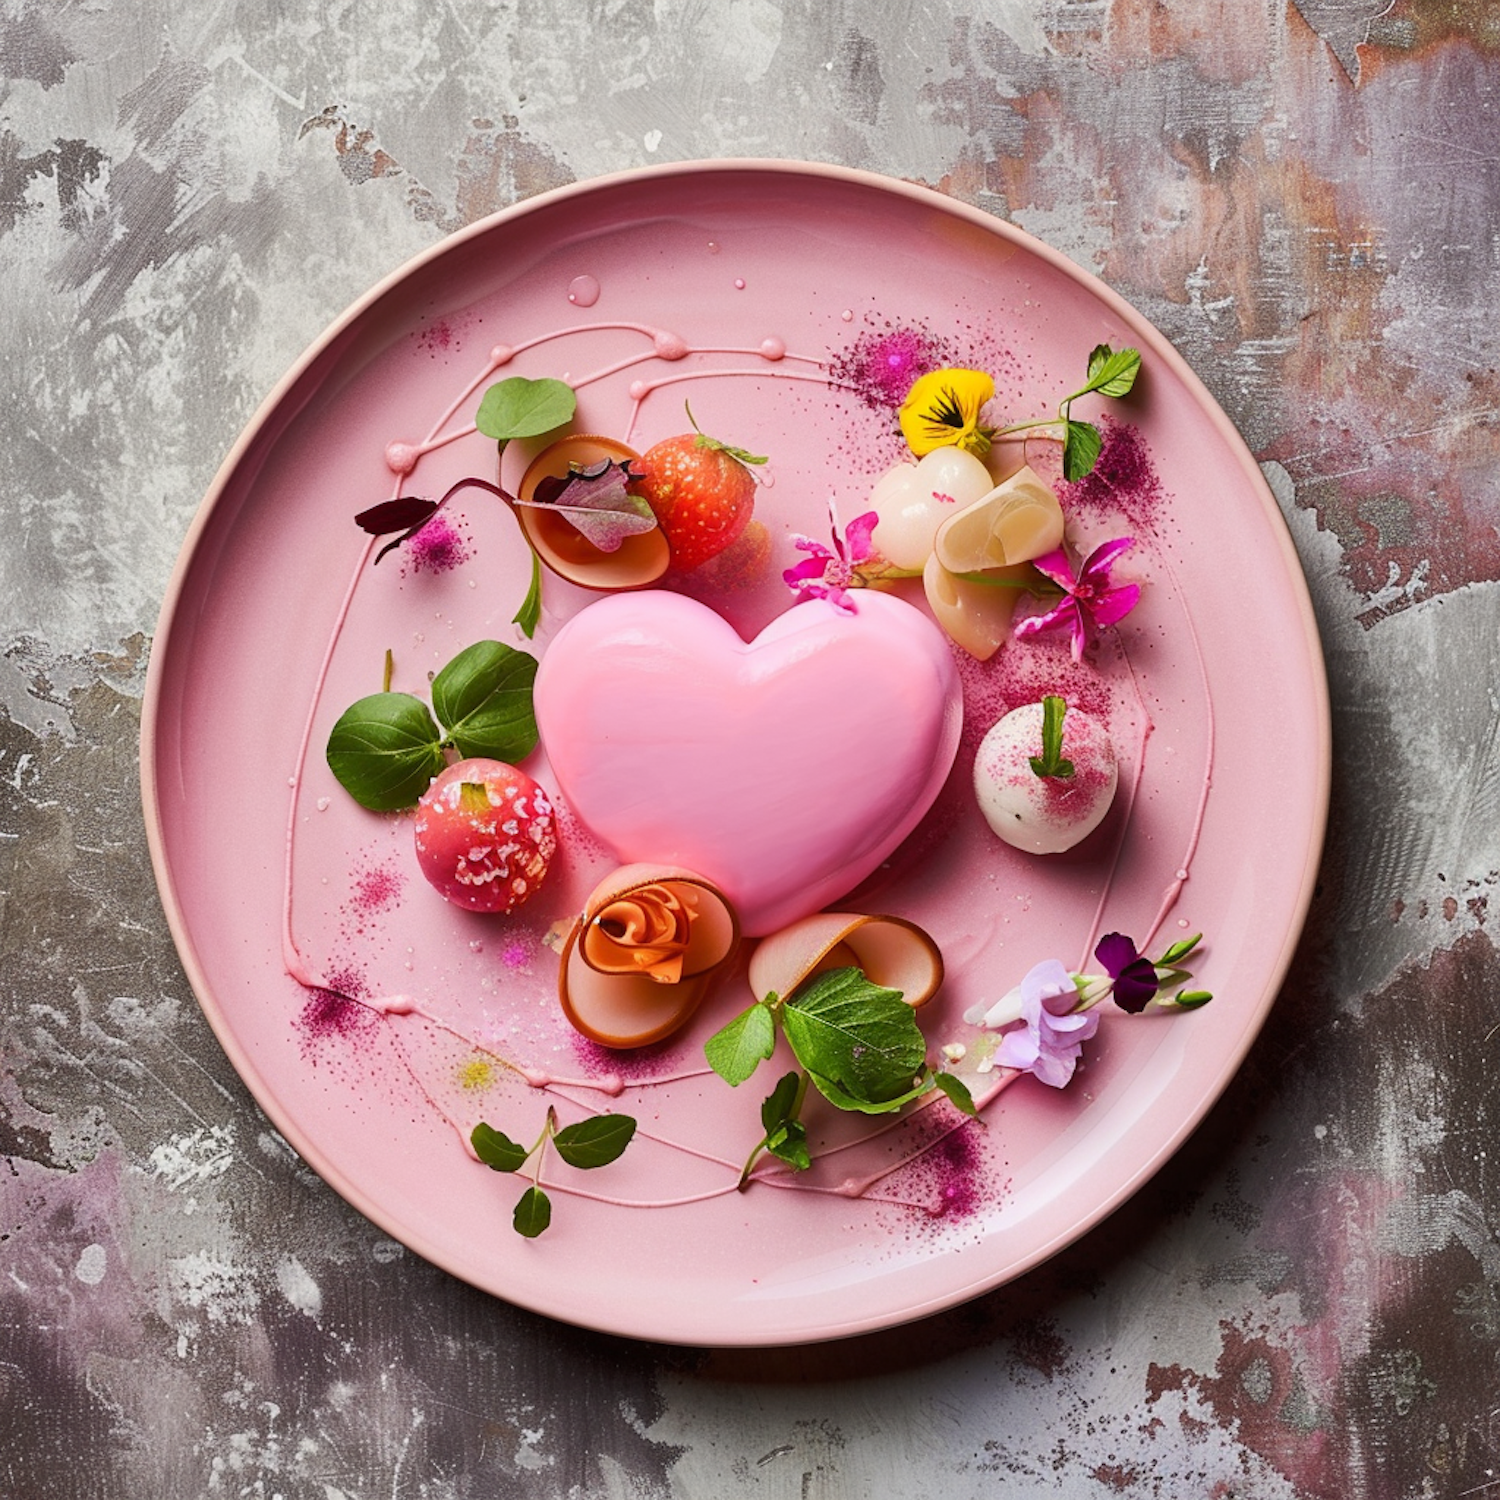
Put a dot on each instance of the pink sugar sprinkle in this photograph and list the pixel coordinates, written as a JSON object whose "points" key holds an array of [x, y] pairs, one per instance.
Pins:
{"points": [[377, 890], [881, 365], [438, 547], [1019, 674], [334, 1013], [516, 954]]}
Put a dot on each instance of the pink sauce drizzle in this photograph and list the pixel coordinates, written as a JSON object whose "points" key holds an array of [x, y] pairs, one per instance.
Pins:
{"points": [[402, 458]]}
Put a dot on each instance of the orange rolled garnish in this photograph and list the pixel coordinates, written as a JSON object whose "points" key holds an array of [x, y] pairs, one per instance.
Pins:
{"points": [[891, 951], [649, 946]]}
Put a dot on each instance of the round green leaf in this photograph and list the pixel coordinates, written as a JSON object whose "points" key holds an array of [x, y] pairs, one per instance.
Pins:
{"points": [[594, 1142], [385, 751], [496, 1149], [483, 699], [533, 1213], [518, 408]]}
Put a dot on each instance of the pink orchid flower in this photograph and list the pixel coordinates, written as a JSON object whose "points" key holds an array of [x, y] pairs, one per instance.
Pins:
{"points": [[1089, 603], [826, 573]]}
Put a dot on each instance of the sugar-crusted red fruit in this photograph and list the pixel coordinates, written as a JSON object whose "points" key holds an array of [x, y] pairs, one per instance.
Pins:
{"points": [[485, 835], [701, 493]]}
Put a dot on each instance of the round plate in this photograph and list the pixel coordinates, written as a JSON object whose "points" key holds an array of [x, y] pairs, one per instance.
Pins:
{"points": [[791, 288]]}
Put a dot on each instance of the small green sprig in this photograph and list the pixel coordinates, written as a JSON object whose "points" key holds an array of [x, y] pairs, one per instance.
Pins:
{"points": [[858, 1044], [385, 749], [590, 1143], [1110, 373], [1051, 761], [520, 408]]}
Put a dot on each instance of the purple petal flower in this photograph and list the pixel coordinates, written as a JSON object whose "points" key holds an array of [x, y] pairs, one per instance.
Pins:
{"points": [[1134, 976], [1089, 603], [1049, 1044], [827, 573]]}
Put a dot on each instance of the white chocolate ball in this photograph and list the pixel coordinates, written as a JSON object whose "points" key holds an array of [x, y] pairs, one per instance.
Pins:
{"points": [[1044, 814]]}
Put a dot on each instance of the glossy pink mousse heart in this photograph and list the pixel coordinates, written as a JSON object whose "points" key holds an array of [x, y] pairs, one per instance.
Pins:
{"points": [[783, 769]]}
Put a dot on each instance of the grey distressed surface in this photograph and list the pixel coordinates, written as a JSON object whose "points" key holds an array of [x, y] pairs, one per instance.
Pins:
{"points": [[1306, 1302]]}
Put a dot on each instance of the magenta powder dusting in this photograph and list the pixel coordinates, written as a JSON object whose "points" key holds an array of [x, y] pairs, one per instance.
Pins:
{"points": [[438, 547], [880, 366], [1124, 480]]}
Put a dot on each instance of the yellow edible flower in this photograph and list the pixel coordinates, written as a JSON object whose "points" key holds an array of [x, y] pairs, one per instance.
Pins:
{"points": [[942, 411]]}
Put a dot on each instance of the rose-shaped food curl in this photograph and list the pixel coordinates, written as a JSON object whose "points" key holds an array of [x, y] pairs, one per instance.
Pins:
{"points": [[650, 944]]}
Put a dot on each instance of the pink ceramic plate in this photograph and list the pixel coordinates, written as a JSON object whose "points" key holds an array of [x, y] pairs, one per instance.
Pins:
{"points": [[780, 299]]}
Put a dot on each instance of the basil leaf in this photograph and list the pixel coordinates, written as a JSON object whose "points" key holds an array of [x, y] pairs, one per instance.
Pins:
{"points": [[738, 1049], [1081, 446], [957, 1091], [518, 408], [533, 1213], [855, 1034], [594, 1142], [496, 1149], [483, 699], [385, 751], [1112, 374], [529, 616]]}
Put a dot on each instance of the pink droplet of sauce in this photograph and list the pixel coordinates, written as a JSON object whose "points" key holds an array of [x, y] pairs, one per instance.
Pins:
{"points": [[639, 389], [669, 345], [501, 354], [583, 291], [773, 348], [739, 283], [401, 458]]}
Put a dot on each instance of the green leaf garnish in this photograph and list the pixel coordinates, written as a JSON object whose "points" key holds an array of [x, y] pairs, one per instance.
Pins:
{"points": [[1050, 762], [521, 408], [594, 1142], [842, 1098], [859, 1036], [384, 751], [529, 616], [780, 1105], [483, 699], [1081, 448], [533, 1213], [497, 1150], [1111, 374], [957, 1091], [735, 1051]]}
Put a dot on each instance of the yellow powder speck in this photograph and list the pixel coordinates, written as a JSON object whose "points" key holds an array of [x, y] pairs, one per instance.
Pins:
{"points": [[476, 1074]]}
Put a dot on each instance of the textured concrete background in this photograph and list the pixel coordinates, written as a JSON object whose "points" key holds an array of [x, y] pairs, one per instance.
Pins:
{"points": [[1306, 198]]}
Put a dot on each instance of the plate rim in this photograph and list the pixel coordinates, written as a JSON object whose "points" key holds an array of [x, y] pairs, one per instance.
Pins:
{"points": [[151, 741]]}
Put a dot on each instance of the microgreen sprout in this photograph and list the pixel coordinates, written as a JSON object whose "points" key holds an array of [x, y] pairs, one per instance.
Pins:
{"points": [[858, 1044], [1051, 762], [594, 1142]]}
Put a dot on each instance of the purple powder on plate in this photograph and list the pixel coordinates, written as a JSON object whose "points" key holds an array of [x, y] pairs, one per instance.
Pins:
{"points": [[882, 364], [438, 547]]}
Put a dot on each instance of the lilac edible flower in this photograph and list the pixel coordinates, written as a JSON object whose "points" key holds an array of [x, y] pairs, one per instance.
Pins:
{"points": [[1089, 602], [1050, 1043], [827, 573]]}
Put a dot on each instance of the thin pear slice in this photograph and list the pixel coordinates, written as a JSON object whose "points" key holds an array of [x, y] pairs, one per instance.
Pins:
{"points": [[1016, 522], [892, 952]]}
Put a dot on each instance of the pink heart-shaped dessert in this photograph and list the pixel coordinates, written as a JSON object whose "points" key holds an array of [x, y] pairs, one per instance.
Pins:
{"points": [[783, 769]]}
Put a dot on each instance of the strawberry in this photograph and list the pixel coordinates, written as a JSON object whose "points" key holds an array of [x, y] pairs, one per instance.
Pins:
{"points": [[700, 492]]}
